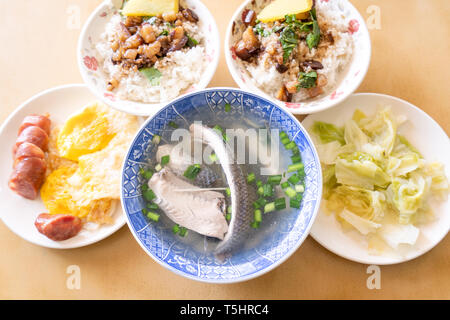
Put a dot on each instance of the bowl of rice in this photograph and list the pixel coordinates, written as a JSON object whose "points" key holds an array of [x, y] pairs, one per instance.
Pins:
{"points": [[305, 62], [136, 64]]}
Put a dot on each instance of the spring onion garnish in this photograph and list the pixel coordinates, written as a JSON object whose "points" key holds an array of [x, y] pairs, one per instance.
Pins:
{"points": [[213, 157], [176, 229], [291, 145], [296, 158], [144, 187], [260, 190], [229, 209], [299, 196], [262, 202], [156, 139], [269, 207], [158, 167], [228, 216], [285, 141], [251, 177], [149, 195], [280, 204], [294, 203], [275, 179], [259, 183], [220, 131], [290, 192], [299, 188], [283, 135], [173, 125], [295, 167], [227, 107], [295, 152], [256, 205], [228, 192], [257, 216], [148, 174], [153, 216], [294, 179], [183, 231], [255, 225], [267, 190], [192, 171], [284, 185], [152, 206], [165, 160]]}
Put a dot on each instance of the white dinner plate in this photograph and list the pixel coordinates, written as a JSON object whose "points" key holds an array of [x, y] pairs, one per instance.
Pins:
{"points": [[19, 213], [432, 142]]}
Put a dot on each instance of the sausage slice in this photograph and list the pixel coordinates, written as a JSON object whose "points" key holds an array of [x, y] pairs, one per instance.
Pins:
{"points": [[58, 227]]}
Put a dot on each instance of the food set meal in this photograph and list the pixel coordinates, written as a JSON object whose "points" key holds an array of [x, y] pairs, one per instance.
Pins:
{"points": [[374, 180]]}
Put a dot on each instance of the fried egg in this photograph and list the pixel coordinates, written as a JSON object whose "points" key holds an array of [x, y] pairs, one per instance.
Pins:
{"points": [[86, 154]]}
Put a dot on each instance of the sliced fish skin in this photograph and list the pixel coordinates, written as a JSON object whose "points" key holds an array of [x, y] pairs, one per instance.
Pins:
{"points": [[241, 195], [200, 211], [180, 162]]}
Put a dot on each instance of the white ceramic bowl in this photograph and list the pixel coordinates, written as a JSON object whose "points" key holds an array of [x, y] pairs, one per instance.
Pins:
{"points": [[95, 78], [349, 82], [19, 213], [432, 142]]}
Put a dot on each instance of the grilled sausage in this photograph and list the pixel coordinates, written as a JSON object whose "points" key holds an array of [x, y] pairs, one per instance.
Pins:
{"points": [[27, 150], [34, 135], [42, 122], [27, 177], [58, 227]]}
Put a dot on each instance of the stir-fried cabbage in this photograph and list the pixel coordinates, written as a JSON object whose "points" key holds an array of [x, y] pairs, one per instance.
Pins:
{"points": [[375, 180]]}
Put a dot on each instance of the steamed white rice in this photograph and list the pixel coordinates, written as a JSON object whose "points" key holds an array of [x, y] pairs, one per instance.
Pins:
{"points": [[335, 58], [180, 69]]}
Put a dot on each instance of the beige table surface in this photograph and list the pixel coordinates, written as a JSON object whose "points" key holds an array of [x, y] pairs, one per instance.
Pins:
{"points": [[410, 60]]}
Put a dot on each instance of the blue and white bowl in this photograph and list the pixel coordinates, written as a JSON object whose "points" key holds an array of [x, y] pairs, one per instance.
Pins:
{"points": [[177, 254]]}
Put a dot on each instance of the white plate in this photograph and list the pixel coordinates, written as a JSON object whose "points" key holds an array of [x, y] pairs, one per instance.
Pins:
{"points": [[349, 81], [433, 143], [95, 78], [19, 213]]}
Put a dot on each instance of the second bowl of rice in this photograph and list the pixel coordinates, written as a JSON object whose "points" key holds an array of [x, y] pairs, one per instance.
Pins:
{"points": [[338, 62], [112, 67]]}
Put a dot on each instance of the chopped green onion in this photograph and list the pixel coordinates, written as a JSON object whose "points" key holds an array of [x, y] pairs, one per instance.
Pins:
{"points": [[259, 183], [256, 205], [255, 225], [228, 216], [295, 151], [251, 177], [283, 135], [152, 206], [260, 191], [285, 141], [284, 185], [280, 204], [227, 107], [294, 179], [296, 158], [229, 209], [165, 160], [299, 188], [141, 171], [269, 207], [275, 179], [158, 167], [173, 125], [299, 196], [183, 231], [294, 203], [144, 211], [156, 139], [213, 157], [262, 202], [267, 190], [153, 216], [228, 192], [147, 174], [176, 229], [192, 171], [295, 167], [191, 42], [291, 145], [144, 187], [149, 195], [290, 192], [257, 216], [301, 172]]}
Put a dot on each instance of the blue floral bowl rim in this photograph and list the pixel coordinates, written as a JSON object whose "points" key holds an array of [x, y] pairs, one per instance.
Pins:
{"points": [[288, 254]]}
